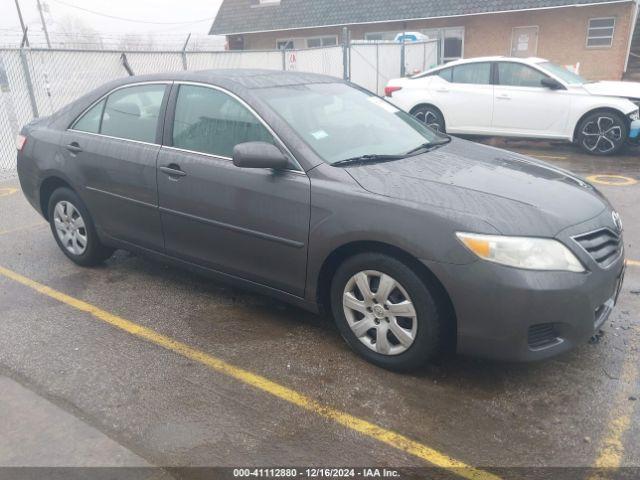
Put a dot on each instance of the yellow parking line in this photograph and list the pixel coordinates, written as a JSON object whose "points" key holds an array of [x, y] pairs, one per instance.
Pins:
{"points": [[612, 447], [19, 229], [612, 180], [364, 427], [5, 192], [634, 263]]}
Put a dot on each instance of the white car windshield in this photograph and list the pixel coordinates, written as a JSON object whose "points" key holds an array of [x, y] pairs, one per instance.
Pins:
{"points": [[562, 73], [340, 122]]}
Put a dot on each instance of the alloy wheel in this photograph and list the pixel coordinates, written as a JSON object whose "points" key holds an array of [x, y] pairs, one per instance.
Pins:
{"points": [[70, 227], [429, 118], [380, 312], [602, 134]]}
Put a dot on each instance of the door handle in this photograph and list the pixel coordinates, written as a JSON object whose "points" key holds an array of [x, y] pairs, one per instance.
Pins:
{"points": [[173, 170], [504, 96], [442, 90], [73, 147]]}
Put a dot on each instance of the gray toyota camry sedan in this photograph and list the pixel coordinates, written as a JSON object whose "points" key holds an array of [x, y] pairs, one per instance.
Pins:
{"points": [[322, 194]]}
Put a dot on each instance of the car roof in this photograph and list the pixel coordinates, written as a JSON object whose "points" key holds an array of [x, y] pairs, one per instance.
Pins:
{"points": [[495, 58], [241, 82], [238, 77]]}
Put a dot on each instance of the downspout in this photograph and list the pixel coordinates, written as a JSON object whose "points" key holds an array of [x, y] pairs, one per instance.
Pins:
{"points": [[632, 30]]}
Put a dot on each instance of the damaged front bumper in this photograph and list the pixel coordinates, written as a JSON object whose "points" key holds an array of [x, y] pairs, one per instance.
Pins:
{"points": [[634, 132]]}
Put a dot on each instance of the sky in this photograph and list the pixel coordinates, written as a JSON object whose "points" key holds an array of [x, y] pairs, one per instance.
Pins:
{"points": [[160, 18]]}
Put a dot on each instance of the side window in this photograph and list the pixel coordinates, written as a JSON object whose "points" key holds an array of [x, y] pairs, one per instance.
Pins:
{"points": [[446, 74], [90, 121], [132, 113], [518, 75], [477, 73], [210, 121]]}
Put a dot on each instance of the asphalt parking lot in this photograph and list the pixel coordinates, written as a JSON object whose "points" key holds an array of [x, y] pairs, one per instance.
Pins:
{"points": [[136, 363]]}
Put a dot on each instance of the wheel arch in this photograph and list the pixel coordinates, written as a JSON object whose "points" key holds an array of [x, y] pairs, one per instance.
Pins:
{"points": [[596, 110], [47, 187], [347, 250]]}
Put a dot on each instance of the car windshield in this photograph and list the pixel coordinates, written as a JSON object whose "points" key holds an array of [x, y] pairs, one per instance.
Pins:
{"points": [[340, 122], [562, 73]]}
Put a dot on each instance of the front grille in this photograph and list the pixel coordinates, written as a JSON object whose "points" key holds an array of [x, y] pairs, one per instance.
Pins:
{"points": [[542, 335], [603, 245]]}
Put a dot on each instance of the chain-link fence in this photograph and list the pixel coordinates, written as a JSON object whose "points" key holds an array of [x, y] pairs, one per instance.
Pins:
{"points": [[37, 82]]}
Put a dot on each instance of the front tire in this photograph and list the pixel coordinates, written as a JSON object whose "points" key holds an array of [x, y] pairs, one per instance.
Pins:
{"points": [[602, 133], [73, 229], [386, 312]]}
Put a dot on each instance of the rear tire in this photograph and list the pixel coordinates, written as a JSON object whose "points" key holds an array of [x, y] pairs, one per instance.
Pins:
{"points": [[602, 133], [398, 305], [73, 229], [430, 116]]}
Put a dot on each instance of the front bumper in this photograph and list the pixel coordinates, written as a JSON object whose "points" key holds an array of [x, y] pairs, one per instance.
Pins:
{"points": [[522, 315], [634, 132]]}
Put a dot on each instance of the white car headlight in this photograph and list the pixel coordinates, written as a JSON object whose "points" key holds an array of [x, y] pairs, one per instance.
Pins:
{"points": [[522, 252]]}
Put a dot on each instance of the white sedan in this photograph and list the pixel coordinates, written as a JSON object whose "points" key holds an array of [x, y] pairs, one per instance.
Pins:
{"points": [[526, 98]]}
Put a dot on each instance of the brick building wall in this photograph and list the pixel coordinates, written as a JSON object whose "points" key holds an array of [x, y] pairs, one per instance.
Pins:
{"points": [[562, 34]]}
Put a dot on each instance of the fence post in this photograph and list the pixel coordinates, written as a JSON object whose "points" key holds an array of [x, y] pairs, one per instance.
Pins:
{"points": [[345, 53], [403, 67], [377, 68], [27, 78], [284, 60], [184, 52]]}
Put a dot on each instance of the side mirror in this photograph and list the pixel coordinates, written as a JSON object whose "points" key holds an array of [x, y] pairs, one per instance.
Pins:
{"points": [[551, 84], [259, 155]]}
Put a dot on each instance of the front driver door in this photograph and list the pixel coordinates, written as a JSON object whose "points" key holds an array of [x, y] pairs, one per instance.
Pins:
{"points": [[523, 106], [249, 223]]}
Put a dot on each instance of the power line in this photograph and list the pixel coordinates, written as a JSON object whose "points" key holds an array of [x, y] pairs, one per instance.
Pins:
{"points": [[208, 19]]}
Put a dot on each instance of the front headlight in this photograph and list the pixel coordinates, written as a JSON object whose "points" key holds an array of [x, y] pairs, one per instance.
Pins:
{"points": [[522, 252]]}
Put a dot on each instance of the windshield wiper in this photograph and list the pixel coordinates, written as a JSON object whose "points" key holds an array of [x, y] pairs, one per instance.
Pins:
{"points": [[428, 146], [367, 159]]}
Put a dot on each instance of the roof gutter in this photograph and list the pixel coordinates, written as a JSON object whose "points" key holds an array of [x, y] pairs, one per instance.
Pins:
{"points": [[574, 5]]}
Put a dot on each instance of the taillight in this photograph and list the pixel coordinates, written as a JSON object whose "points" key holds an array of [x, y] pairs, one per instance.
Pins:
{"points": [[388, 91], [21, 141]]}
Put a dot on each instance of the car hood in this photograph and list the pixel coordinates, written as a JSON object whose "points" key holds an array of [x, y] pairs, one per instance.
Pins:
{"points": [[515, 194], [614, 89]]}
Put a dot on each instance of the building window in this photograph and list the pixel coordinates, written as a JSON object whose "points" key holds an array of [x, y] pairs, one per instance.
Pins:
{"points": [[381, 36], [600, 32], [284, 44], [451, 39], [322, 42]]}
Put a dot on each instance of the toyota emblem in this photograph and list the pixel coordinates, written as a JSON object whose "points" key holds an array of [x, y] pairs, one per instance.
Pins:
{"points": [[617, 221]]}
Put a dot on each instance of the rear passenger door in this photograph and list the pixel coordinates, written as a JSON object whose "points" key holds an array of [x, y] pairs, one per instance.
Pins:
{"points": [[464, 94], [112, 148], [247, 222]]}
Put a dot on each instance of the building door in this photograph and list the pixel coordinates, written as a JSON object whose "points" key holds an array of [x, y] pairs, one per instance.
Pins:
{"points": [[524, 42]]}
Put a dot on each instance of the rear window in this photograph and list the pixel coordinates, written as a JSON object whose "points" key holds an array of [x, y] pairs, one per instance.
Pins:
{"points": [[90, 121], [131, 113], [445, 74], [476, 73]]}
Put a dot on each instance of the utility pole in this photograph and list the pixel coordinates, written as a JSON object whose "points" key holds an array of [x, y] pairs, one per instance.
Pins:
{"points": [[44, 24], [24, 29]]}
